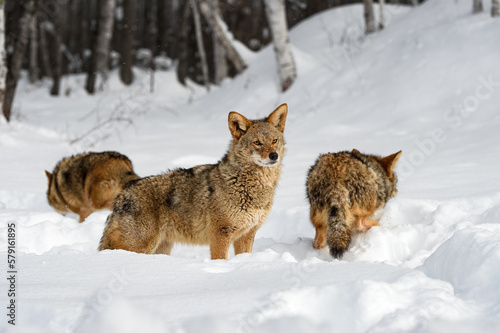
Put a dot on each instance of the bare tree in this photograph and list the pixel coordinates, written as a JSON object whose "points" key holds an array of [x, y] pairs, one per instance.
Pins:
{"points": [[57, 50], [16, 59], [44, 48], [100, 51], [495, 8], [152, 28], [477, 6], [33, 52], [127, 42], [183, 52], [369, 16], [381, 4], [199, 42], [3, 54], [219, 28], [276, 17], [220, 62]]}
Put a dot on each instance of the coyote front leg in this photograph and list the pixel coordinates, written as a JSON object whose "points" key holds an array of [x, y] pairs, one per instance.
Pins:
{"points": [[220, 241], [244, 244]]}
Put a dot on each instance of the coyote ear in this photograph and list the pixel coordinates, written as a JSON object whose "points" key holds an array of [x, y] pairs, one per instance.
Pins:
{"points": [[355, 151], [389, 162], [238, 125], [278, 117], [49, 175]]}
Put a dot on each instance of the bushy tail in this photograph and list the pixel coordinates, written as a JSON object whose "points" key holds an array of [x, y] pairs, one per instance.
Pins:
{"points": [[338, 234]]}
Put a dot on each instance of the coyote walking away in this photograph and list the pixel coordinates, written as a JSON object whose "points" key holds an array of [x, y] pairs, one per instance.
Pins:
{"points": [[214, 204], [344, 190], [88, 182]]}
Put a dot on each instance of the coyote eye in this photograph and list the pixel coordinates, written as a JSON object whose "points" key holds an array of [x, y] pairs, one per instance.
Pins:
{"points": [[274, 141], [257, 143]]}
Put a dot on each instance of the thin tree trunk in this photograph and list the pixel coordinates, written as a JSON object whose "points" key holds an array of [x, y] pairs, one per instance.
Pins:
{"points": [[100, 52], [276, 17], [495, 8], [17, 58], [161, 25], [33, 55], [3, 54], [57, 51], [381, 4], [219, 28], [183, 65], [369, 16], [44, 49], [153, 33], [199, 42], [477, 6], [126, 74], [220, 62], [173, 24]]}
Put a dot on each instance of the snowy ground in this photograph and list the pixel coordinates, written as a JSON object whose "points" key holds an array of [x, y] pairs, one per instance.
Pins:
{"points": [[429, 84]]}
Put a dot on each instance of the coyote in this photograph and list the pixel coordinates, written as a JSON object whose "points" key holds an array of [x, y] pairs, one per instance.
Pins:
{"points": [[214, 204], [344, 190], [88, 182]]}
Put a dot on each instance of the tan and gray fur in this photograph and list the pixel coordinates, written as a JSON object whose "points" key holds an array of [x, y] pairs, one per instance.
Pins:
{"points": [[345, 189], [211, 204], [88, 182]]}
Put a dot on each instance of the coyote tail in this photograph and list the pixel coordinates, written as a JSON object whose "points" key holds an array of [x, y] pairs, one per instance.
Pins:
{"points": [[338, 234]]}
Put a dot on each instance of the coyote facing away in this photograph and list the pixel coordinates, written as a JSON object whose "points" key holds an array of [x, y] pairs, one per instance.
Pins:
{"points": [[88, 182], [344, 190]]}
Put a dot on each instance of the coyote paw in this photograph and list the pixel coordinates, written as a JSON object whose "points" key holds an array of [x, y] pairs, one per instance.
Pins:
{"points": [[365, 225], [319, 243]]}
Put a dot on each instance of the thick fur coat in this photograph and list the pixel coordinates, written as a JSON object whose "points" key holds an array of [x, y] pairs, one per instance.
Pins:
{"points": [[344, 190], [212, 204]]}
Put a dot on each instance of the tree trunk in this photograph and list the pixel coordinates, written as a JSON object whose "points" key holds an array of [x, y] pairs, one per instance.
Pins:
{"points": [[57, 51], [161, 18], [477, 6], [44, 49], [183, 64], [495, 8], [33, 55], [153, 33], [126, 74], [17, 58], [3, 55], [275, 13], [173, 24], [381, 4], [199, 42], [369, 16], [220, 30], [220, 62], [100, 51]]}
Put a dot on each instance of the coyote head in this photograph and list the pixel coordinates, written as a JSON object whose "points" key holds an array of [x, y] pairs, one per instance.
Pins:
{"points": [[53, 194], [259, 141]]}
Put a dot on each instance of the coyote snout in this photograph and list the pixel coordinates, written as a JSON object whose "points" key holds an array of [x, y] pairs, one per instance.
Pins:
{"points": [[269, 159]]}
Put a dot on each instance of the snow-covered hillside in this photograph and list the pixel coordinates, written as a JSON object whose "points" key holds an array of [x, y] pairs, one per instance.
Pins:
{"points": [[429, 84]]}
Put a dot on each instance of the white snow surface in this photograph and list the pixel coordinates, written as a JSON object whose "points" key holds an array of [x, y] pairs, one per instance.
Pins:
{"points": [[429, 84]]}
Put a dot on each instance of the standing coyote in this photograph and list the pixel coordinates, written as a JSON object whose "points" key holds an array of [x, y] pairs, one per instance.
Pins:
{"points": [[214, 204], [88, 182], [344, 190]]}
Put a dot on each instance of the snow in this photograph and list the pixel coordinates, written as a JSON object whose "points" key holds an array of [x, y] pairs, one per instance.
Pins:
{"points": [[429, 84]]}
